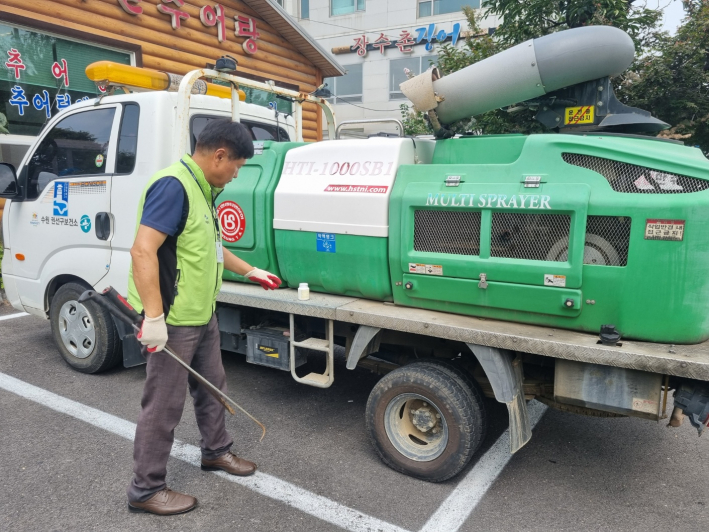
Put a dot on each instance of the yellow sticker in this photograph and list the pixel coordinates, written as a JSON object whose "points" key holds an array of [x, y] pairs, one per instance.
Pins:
{"points": [[579, 115], [268, 351]]}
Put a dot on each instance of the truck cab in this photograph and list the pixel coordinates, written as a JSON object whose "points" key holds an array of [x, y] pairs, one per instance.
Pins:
{"points": [[72, 218]]}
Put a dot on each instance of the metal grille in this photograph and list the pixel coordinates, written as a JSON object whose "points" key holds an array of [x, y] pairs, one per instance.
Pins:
{"points": [[457, 233], [630, 178], [607, 240], [530, 236]]}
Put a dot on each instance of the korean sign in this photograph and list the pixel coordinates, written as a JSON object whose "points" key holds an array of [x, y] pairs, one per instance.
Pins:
{"points": [[41, 74], [209, 16], [425, 35]]}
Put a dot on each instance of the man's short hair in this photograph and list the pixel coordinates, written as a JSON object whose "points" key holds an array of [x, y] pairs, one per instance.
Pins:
{"points": [[223, 133]]}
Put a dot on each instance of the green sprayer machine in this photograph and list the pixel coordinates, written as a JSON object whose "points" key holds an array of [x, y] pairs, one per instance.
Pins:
{"points": [[577, 230], [593, 229]]}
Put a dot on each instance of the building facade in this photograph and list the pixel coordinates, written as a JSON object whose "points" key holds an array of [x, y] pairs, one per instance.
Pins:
{"points": [[377, 41], [47, 44]]}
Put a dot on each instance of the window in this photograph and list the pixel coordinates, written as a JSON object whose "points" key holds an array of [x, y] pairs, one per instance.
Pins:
{"points": [[76, 146], [304, 8], [259, 131], [267, 99], [267, 132], [128, 139], [347, 88], [439, 7], [397, 75], [13, 150], [345, 7], [279, 2]]}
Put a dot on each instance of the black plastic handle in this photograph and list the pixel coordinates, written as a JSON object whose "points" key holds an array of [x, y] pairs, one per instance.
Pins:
{"points": [[91, 295], [122, 304], [102, 225]]}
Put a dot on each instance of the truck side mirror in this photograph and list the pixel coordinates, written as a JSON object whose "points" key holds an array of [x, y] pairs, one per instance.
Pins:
{"points": [[8, 181]]}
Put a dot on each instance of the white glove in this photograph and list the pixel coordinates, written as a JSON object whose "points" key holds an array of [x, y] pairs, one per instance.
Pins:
{"points": [[153, 333], [266, 279]]}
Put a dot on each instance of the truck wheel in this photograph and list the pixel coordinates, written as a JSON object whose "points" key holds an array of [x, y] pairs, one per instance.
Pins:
{"points": [[425, 421], [470, 385], [84, 333]]}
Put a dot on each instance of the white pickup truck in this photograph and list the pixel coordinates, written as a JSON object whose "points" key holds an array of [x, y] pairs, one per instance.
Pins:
{"points": [[70, 222]]}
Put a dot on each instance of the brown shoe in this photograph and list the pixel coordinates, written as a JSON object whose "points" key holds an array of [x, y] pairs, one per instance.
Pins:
{"points": [[165, 502], [230, 463]]}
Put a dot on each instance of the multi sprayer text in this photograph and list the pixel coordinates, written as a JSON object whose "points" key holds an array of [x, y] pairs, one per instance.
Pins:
{"points": [[516, 201]]}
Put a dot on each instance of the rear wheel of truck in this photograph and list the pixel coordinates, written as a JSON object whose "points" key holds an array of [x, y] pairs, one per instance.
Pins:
{"points": [[426, 421], [472, 387], [84, 333]]}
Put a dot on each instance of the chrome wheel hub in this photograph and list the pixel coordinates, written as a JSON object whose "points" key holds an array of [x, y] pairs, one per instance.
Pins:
{"points": [[416, 427], [76, 328]]}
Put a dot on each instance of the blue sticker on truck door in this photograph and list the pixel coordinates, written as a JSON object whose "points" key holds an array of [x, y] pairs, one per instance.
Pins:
{"points": [[326, 242], [85, 223], [61, 198]]}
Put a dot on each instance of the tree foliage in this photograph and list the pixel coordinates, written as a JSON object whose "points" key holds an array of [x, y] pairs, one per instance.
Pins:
{"points": [[670, 77], [529, 19]]}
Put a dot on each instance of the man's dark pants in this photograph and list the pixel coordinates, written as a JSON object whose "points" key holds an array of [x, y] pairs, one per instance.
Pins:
{"points": [[163, 402]]}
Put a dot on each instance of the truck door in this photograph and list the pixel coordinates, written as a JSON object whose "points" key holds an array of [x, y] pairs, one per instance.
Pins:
{"points": [[63, 225], [127, 183]]}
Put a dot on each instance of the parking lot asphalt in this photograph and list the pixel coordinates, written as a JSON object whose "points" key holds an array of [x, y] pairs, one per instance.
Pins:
{"points": [[62, 473]]}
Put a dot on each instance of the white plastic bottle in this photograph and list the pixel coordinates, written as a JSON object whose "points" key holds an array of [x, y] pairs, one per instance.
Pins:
{"points": [[303, 291]]}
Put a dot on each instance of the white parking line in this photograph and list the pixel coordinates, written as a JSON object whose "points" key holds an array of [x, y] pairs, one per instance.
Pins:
{"points": [[449, 517], [456, 509], [262, 483], [13, 316]]}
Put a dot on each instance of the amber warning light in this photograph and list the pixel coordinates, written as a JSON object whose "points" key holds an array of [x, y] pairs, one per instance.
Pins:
{"points": [[115, 74]]}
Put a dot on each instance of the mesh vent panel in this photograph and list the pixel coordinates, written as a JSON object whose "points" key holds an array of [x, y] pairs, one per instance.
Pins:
{"points": [[457, 233], [530, 236], [630, 178], [607, 240]]}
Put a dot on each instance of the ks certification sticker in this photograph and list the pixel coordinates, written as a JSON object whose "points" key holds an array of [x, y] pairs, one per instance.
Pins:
{"points": [[232, 221]]}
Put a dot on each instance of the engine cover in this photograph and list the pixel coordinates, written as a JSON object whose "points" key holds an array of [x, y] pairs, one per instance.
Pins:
{"points": [[559, 230]]}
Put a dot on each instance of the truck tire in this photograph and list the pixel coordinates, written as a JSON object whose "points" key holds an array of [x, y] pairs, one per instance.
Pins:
{"points": [[425, 421], [84, 333], [471, 386]]}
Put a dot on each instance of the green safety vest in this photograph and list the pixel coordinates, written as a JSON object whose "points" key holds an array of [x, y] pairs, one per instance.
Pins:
{"points": [[199, 276]]}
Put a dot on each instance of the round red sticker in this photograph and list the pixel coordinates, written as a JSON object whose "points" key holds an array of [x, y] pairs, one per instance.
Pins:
{"points": [[232, 220]]}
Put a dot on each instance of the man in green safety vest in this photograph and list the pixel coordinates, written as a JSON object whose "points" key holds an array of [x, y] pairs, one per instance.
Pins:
{"points": [[175, 276]]}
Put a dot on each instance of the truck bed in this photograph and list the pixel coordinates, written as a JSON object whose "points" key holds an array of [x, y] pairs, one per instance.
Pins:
{"points": [[691, 361]]}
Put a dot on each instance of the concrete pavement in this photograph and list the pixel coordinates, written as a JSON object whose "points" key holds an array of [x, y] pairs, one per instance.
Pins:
{"points": [[577, 473]]}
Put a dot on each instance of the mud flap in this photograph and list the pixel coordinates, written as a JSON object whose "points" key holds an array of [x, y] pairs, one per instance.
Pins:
{"points": [[131, 346], [505, 375], [362, 345]]}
